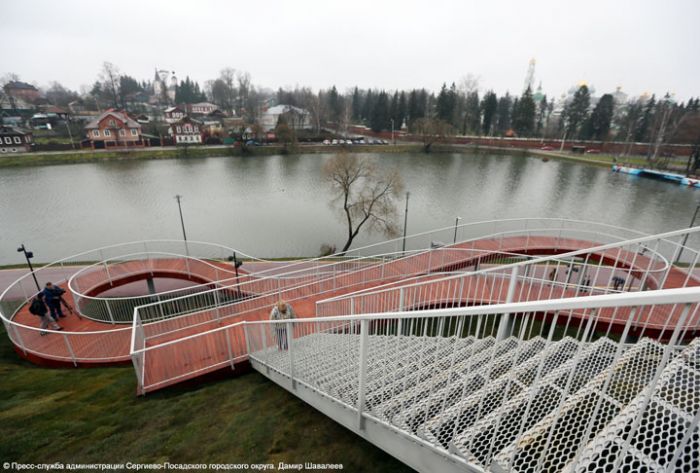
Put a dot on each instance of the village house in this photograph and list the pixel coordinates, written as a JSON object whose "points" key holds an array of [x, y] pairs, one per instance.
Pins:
{"points": [[173, 114], [22, 90], [15, 140], [114, 129], [202, 108], [295, 117], [187, 131]]}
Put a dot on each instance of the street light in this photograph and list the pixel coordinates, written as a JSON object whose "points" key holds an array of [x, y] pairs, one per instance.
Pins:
{"points": [[405, 222], [685, 238], [236, 264], [454, 241], [29, 255], [182, 222]]}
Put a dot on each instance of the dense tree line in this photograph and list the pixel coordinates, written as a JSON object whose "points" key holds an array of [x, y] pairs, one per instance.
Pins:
{"points": [[462, 107]]}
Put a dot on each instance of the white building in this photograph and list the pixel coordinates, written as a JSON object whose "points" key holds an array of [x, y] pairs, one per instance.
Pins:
{"points": [[297, 118]]}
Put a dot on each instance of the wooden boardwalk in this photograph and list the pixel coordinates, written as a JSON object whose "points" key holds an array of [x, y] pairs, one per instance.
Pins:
{"points": [[206, 340]]}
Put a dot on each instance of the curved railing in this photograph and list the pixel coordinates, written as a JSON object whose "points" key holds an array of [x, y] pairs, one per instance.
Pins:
{"points": [[312, 276], [631, 265], [106, 345]]}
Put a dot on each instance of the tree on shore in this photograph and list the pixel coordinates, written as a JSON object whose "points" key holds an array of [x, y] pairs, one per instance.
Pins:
{"points": [[431, 131], [576, 112], [597, 127], [364, 195]]}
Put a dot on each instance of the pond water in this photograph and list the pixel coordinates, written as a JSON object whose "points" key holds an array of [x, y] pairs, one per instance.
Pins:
{"points": [[274, 206]]}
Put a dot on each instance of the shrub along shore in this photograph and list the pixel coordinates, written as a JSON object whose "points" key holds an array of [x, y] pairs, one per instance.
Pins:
{"points": [[90, 156]]}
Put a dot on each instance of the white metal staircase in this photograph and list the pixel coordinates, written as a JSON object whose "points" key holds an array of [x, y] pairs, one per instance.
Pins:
{"points": [[535, 401]]}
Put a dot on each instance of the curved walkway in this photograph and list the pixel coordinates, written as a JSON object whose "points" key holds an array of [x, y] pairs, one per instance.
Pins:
{"points": [[93, 342]]}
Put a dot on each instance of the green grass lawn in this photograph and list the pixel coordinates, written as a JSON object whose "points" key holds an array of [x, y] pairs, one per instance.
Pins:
{"points": [[93, 415]]}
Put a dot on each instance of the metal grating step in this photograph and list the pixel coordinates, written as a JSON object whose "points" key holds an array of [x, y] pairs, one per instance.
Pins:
{"points": [[555, 440], [412, 408], [453, 419], [653, 436], [488, 436]]}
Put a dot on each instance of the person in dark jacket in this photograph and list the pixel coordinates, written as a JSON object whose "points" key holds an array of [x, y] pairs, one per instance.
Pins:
{"points": [[52, 297], [39, 309]]}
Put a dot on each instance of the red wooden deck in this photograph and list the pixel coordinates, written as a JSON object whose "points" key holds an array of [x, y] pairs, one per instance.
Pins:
{"points": [[96, 343]]}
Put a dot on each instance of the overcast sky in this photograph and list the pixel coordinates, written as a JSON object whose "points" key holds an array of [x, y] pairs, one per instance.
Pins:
{"points": [[640, 45]]}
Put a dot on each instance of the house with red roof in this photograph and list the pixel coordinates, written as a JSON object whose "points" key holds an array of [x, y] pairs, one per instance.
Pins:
{"points": [[114, 129]]}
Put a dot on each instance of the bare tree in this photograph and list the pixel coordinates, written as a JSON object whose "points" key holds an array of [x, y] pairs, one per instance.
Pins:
{"points": [[224, 89], [431, 131], [364, 195], [314, 104], [109, 76], [243, 89]]}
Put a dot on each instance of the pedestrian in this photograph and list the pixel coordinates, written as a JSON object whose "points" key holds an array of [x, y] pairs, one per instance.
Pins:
{"points": [[38, 308], [618, 283], [52, 296], [281, 311]]}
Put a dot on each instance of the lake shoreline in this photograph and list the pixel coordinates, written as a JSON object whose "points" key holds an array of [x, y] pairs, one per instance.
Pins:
{"points": [[79, 157]]}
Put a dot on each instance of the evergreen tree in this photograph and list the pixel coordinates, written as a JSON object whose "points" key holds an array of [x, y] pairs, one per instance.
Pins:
{"points": [[643, 130], [524, 114], [576, 112], [472, 114], [598, 124], [335, 105], [401, 118], [489, 110], [541, 115], [394, 110], [503, 114], [381, 117], [368, 106], [356, 104], [445, 105]]}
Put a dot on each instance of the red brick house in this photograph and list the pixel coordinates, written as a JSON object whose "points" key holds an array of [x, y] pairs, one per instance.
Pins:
{"points": [[114, 129], [187, 131], [22, 90]]}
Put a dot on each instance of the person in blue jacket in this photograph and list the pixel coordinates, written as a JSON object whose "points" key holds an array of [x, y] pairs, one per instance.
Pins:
{"points": [[52, 297]]}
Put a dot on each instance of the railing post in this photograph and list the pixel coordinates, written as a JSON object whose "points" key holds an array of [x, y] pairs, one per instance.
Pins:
{"points": [[505, 327], [228, 346], [137, 367], [19, 338], [104, 263], [362, 374], [109, 311], [217, 303], [263, 337], [290, 351], [401, 302], [352, 306], [70, 350]]}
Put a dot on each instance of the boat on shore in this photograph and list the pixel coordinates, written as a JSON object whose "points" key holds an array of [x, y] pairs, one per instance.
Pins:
{"points": [[659, 175]]}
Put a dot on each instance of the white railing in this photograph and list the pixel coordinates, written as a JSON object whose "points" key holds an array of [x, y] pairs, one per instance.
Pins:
{"points": [[497, 384], [89, 346], [294, 275], [615, 267]]}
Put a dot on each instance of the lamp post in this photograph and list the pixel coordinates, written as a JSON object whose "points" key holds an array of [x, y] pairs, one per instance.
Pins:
{"points": [[182, 221], [236, 264], [393, 141], [405, 222], [29, 255], [685, 238], [454, 240]]}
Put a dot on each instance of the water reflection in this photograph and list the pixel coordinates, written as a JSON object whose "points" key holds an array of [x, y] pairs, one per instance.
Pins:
{"points": [[278, 205]]}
